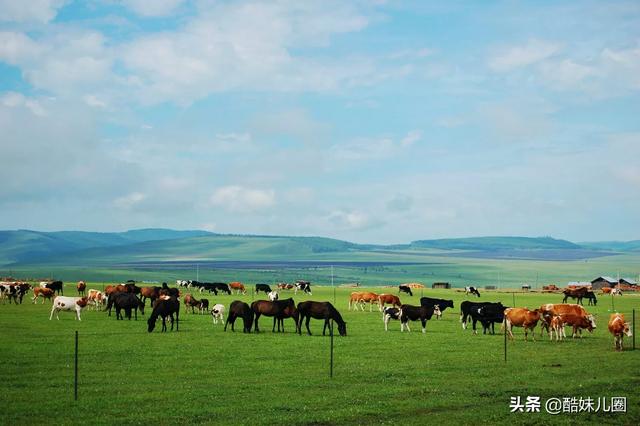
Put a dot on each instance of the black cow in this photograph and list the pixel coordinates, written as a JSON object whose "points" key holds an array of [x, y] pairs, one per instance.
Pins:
{"points": [[56, 286], [471, 290], [223, 287], [592, 298], [414, 313], [432, 301], [239, 309], [405, 289], [465, 311], [488, 315], [263, 287], [126, 301]]}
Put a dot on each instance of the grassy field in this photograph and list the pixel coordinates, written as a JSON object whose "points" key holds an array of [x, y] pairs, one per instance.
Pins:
{"points": [[203, 375]]}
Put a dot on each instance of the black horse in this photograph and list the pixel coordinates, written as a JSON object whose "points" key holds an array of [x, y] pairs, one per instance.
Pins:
{"points": [[278, 309], [320, 310], [126, 301], [239, 309], [56, 286], [165, 307]]}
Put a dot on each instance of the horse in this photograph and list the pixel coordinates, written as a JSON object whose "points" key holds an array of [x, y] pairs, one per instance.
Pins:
{"points": [[126, 301], [279, 310], [320, 310], [240, 309], [164, 307]]}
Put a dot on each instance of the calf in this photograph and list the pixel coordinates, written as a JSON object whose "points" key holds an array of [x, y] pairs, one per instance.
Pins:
{"points": [[303, 286], [217, 313], [263, 287], [521, 317], [414, 313], [442, 304], [579, 322], [557, 326], [96, 298], [388, 314], [190, 302], [405, 289], [618, 328], [63, 303]]}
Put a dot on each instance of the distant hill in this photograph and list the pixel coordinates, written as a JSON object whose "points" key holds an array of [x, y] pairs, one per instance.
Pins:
{"points": [[496, 243], [26, 245], [614, 245], [166, 245]]}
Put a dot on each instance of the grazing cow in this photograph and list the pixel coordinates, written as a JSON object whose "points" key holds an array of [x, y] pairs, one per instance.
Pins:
{"points": [[182, 283], [616, 291], [574, 293], [203, 306], [190, 302], [273, 295], [126, 301], [217, 313], [285, 286], [618, 328], [465, 310], [572, 314], [238, 286], [405, 289], [322, 311], [81, 286], [56, 286], [442, 304], [45, 293], [263, 287], [471, 290], [605, 290], [239, 309], [303, 286], [223, 287], [359, 298], [579, 322], [165, 307], [388, 314], [592, 298], [21, 290], [278, 309], [62, 303], [96, 298], [414, 313], [521, 317], [391, 299], [487, 313]]}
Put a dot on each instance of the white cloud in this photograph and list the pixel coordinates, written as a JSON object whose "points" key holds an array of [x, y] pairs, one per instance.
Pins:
{"points": [[239, 199], [29, 10], [411, 138], [153, 8], [374, 148], [14, 100], [352, 220], [129, 201], [519, 56]]}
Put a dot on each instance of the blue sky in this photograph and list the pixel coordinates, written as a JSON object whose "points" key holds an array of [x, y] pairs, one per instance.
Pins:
{"points": [[371, 121]]}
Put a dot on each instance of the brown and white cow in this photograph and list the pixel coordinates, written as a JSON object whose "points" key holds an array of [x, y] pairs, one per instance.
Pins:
{"points": [[391, 299], [96, 298], [81, 286], [359, 298], [238, 286], [522, 317], [557, 327], [64, 303], [618, 328]]}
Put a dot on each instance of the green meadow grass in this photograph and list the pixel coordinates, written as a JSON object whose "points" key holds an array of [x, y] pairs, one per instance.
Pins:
{"points": [[204, 375]]}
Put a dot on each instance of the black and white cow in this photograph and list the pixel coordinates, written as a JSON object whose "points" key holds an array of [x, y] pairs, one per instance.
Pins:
{"points": [[405, 289], [415, 313], [303, 286], [388, 314], [471, 290], [465, 311], [488, 315], [432, 301], [223, 287], [263, 287]]}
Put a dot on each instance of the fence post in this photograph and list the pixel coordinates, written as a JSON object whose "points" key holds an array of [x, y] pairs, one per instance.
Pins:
{"points": [[612, 306], [75, 381], [514, 298], [505, 342], [334, 295], [331, 356], [633, 316]]}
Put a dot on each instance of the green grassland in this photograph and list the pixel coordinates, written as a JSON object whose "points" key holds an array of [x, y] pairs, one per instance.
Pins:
{"points": [[204, 375]]}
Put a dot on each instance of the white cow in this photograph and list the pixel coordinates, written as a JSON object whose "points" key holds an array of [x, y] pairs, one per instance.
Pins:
{"points": [[64, 303], [96, 298], [218, 313], [273, 295]]}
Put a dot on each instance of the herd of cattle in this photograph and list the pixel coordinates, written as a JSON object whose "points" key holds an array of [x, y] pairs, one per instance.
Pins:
{"points": [[130, 298]]}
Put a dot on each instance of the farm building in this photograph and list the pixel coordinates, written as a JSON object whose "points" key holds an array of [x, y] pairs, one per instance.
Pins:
{"points": [[441, 285], [602, 282], [578, 284], [628, 281]]}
